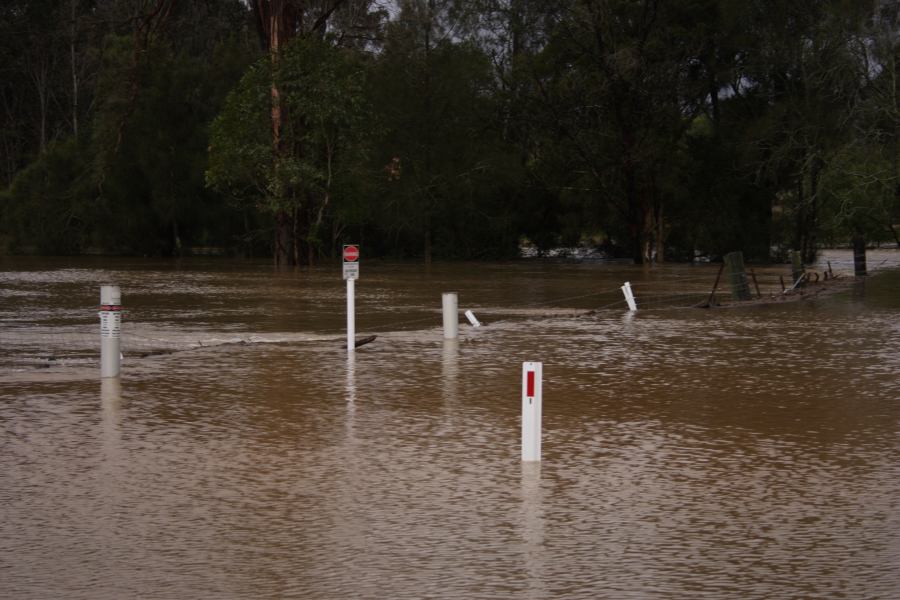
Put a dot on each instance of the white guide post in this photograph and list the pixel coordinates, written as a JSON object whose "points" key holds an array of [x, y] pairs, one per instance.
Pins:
{"points": [[110, 330], [629, 296], [351, 315], [351, 274], [532, 376], [472, 320], [451, 315]]}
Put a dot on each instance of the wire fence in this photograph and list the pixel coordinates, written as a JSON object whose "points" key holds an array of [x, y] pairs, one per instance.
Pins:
{"points": [[28, 346]]}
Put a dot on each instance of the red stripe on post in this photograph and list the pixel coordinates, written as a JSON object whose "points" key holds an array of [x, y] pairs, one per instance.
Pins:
{"points": [[530, 384]]}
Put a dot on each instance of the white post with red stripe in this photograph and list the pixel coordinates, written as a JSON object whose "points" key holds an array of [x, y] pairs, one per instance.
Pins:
{"points": [[532, 376], [110, 330], [351, 274]]}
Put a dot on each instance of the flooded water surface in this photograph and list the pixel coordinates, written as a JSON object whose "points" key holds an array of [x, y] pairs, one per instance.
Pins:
{"points": [[735, 452]]}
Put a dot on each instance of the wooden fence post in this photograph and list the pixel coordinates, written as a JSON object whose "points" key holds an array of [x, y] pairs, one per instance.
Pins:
{"points": [[859, 256], [740, 288], [796, 266]]}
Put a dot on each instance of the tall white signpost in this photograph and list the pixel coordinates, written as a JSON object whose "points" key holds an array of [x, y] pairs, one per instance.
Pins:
{"points": [[351, 274]]}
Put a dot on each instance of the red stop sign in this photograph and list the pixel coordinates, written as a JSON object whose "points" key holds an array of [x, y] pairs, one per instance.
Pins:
{"points": [[351, 253]]}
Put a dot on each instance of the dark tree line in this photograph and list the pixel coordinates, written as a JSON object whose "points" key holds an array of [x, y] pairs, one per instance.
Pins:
{"points": [[657, 129]]}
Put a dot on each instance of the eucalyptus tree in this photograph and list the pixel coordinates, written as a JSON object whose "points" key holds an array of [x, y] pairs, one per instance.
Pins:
{"points": [[320, 146], [334, 22]]}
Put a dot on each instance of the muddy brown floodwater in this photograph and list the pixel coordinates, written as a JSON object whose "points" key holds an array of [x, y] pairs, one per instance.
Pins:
{"points": [[729, 453]]}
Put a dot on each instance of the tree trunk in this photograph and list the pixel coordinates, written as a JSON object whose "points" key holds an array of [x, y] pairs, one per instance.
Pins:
{"points": [[636, 215], [271, 19], [859, 255], [660, 235], [428, 244], [811, 249], [282, 238], [800, 217], [176, 240], [73, 64], [295, 236], [40, 77]]}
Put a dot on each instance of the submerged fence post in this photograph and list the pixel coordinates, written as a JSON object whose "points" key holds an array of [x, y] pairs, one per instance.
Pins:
{"points": [[451, 315], [110, 330], [532, 376], [740, 289], [797, 269], [859, 256], [472, 319], [629, 296]]}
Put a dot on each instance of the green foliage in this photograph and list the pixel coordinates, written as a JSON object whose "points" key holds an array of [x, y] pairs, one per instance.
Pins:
{"points": [[326, 127], [50, 206], [240, 147], [131, 180], [861, 184], [448, 182], [454, 130]]}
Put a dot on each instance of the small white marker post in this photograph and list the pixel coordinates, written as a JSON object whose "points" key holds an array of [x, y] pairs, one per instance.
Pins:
{"points": [[110, 330], [351, 274], [472, 320], [629, 296], [532, 375], [450, 311]]}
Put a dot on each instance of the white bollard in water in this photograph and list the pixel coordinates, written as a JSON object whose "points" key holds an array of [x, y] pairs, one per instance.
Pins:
{"points": [[351, 314], [471, 317], [532, 375], [629, 296], [451, 315], [110, 330]]}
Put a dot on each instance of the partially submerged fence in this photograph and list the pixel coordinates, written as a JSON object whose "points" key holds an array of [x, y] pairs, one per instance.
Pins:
{"points": [[124, 336]]}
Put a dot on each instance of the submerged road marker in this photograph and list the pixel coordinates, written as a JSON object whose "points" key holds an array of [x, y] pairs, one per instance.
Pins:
{"points": [[629, 296], [110, 330], [450, 310], [532, 383]]}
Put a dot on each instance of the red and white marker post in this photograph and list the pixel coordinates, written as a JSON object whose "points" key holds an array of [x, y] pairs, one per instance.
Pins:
{"points": [[532, 380], [110, 330], [351, 274]]}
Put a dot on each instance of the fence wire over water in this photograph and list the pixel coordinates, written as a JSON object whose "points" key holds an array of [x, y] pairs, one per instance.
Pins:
{"points": [[49, 318]]}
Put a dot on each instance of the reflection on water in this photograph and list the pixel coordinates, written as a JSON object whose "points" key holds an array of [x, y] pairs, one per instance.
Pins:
{"points": [[737, 453], [532, 526]]}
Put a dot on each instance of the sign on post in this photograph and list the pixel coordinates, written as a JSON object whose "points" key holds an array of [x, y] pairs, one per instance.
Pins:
{"points": [[351, 261], [351, 274]]}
